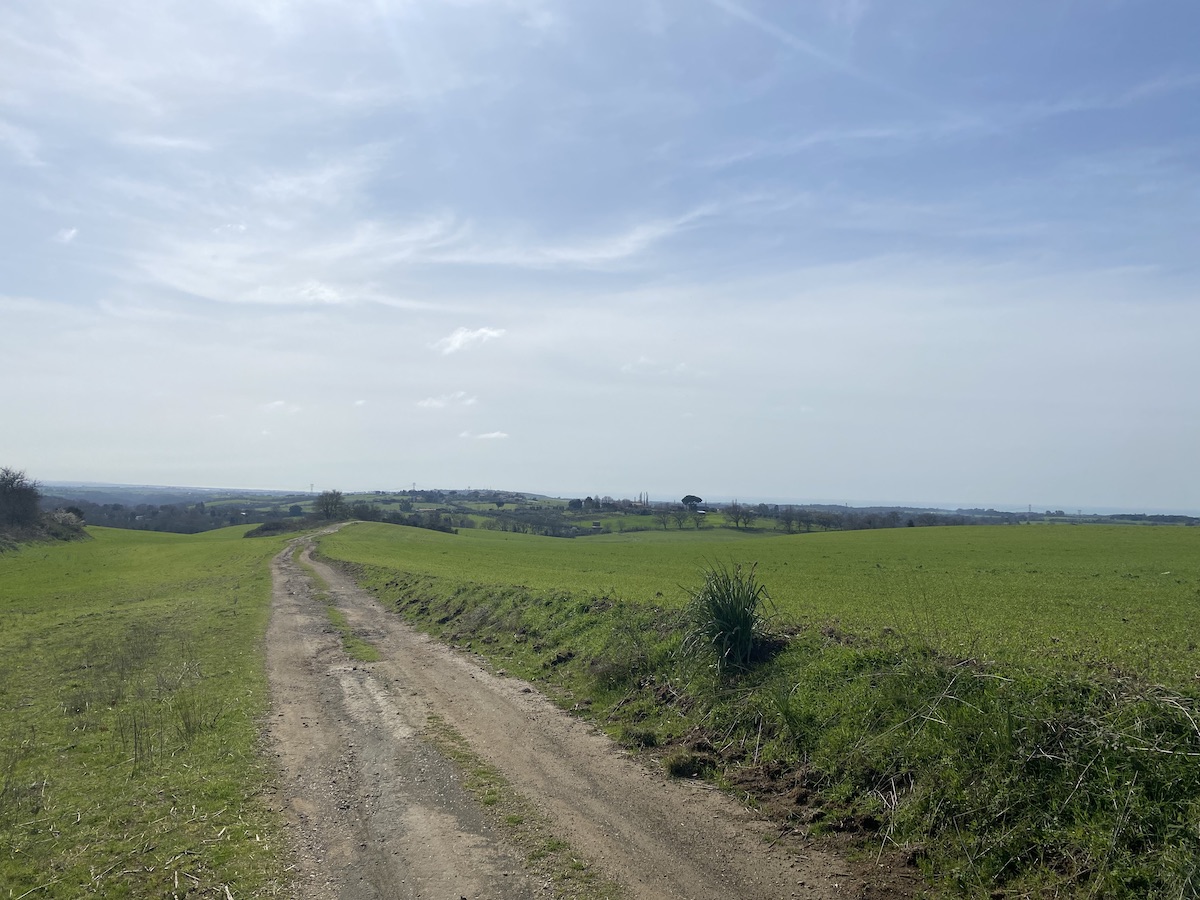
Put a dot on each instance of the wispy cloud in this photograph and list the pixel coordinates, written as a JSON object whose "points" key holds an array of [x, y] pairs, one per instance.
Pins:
{"points": [[268, 183], [458, 398], [811, 50], [162, 142], [839, 139], [847, 13], [462, 338], [325, 183], [584, 253], [281, 408], [644, 365], [1093, 101], [272, 264], [22, 144], [985, 121]]}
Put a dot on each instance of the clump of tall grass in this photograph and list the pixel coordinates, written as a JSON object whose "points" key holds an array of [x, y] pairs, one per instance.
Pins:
{"points": [[1011, 781], [727, 618]]}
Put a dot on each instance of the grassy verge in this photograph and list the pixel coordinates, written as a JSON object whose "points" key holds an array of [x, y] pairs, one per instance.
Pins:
{"points": [[132, 687], [1000, 776]]}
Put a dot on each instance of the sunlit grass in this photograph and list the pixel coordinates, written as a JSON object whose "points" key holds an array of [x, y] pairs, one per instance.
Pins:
{"points": [[132, 686], [1070, 596]]}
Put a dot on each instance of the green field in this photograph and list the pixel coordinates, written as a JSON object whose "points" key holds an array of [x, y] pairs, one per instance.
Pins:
{"points": [[1018, 703], [1015, 707], [132, 685], [1086, 595]]}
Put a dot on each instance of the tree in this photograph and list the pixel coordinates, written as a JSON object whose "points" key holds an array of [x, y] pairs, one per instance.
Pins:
{"points": [[691, 501], [19, 499], [330, 505], [734, 513], [662, 513], [295, 510], [368, 512], [681, 517]]}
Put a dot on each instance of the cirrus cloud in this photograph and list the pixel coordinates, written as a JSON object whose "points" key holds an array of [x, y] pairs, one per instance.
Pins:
{"points": [[461, 338], [457, 398]]}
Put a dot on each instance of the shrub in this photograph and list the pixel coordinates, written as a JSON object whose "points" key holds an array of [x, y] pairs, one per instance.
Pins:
{"points": [[19, 498], [725, 618]]}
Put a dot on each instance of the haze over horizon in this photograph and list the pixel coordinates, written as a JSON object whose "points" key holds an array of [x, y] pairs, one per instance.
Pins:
{"points": [[843, 249]]}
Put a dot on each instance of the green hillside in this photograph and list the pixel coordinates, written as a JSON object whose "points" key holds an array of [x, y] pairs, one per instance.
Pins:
{"points": [[132, 684]]}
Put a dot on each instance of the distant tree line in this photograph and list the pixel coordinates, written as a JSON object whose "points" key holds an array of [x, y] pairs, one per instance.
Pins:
{"points": [[180, 518], [332, 505], [449, 511]]}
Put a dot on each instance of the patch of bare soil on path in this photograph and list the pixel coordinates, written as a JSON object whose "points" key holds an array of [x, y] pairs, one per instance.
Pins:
{"points": [[376, 811]]}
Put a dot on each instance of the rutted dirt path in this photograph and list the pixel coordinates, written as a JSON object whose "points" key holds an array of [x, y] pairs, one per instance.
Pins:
{"points": [[377, 812]]}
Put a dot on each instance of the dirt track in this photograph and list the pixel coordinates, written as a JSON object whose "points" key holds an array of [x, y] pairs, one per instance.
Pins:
{"points": [[376, 812]]}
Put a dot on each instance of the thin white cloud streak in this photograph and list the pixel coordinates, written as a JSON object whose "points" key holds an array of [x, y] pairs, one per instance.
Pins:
{"points": [[162, 142], [999, 117], [596, 253], [66, 235], [457, 398], [462, 338], [814, 52], [645, 365], [70, 58], [487, 436], [328, 183], [282, 407], [989, 121], [315, 265], [840, 139], [273, 267], [387, 243]]}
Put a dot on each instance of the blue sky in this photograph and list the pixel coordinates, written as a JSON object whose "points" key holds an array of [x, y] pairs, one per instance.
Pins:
{"points": [[836, 250]]}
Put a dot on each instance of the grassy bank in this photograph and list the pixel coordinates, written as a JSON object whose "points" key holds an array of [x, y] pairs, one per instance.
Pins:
{"points": [[132, 686], [1012, 708]]}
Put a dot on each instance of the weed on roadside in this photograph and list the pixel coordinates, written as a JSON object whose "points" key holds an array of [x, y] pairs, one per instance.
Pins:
{"points": [[727, 618]]}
